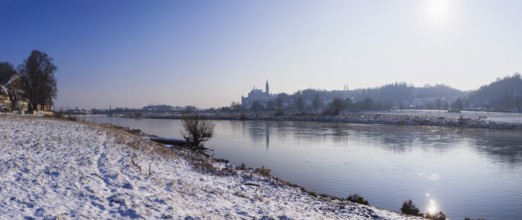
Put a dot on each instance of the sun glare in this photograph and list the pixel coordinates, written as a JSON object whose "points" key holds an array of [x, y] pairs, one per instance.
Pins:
{"points": [[438, 10], [432, 207]]}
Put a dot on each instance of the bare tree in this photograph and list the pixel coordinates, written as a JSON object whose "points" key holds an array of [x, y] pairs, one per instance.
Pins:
{"points": [[39, 82], [197, 130], [6, 72]]}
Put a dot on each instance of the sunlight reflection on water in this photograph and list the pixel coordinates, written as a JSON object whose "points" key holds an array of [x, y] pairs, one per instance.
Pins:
{"points": [[433, 177], [432, 207]]}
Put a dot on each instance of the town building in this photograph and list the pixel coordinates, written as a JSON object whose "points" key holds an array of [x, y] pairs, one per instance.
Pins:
{"points": [[258, 95]]}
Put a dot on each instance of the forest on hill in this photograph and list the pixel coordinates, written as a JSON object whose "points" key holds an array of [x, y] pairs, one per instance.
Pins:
{"points": [[502, 95]]}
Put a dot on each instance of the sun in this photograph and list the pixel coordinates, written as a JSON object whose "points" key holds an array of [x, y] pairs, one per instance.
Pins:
{"points": [[438, 10]]}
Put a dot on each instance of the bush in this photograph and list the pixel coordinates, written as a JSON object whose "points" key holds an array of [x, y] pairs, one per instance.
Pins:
{"points": [[263, 171], [357, 199], [58, 114], [197, 130], [242, 167], [409, 208], [71, 118]]}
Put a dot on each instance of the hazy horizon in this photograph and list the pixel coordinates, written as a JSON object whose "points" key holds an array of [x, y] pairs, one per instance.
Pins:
{"points": [[209, 53]]}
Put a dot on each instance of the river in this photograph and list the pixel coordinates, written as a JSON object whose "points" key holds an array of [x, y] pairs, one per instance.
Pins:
{"points": [[463, 172]]}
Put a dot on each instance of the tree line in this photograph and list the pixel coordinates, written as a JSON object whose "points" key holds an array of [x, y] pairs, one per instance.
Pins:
{"points": [[387, 97], [502, 95], [33, 81], [505, 94]]}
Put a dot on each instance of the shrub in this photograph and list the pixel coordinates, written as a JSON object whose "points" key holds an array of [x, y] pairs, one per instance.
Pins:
{"points": [[409, 208], [357, 199], [58, 114], [71, 118], [263, 171], [242, 167], [197, 130]]}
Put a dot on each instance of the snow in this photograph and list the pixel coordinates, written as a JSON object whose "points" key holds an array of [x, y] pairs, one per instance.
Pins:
{"points": [[56, 169]]}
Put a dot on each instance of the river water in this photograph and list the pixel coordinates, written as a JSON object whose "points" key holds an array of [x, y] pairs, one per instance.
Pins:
{"points": [[463, 172]]}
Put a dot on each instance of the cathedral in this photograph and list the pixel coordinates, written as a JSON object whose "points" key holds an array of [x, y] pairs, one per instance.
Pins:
{"points": [[257, 95]]}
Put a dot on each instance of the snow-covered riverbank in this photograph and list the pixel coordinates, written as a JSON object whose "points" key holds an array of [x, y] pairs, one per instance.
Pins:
{"points": [[71, 170]]}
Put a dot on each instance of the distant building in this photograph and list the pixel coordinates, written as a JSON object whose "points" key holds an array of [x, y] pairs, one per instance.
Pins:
{"points": [[3, 104], [267, 88], [3, 99], [257, 95], [6, 103]]}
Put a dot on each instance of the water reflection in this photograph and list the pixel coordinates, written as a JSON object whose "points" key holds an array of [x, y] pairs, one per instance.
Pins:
{"points": [[501, 146], [432, 207], [257, 132], [267, 136]]}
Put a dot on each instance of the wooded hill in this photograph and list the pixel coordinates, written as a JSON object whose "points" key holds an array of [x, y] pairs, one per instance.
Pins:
{"points": [[502, 95]]}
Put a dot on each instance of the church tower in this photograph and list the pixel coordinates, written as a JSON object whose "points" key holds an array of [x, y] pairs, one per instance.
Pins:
{"points": [[267, 88]]}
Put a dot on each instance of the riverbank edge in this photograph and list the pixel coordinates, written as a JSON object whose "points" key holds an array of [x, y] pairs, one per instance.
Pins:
{"points": [[217, 165], [359, 118]]}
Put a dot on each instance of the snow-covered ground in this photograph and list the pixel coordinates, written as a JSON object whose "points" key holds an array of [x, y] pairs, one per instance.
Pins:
{"points": [[55, 169]]}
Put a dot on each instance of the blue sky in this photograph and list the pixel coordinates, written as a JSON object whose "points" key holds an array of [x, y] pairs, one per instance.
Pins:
{"points": [[209, 53]]}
